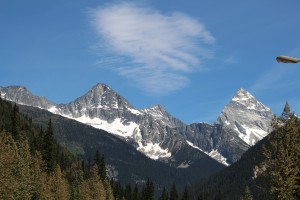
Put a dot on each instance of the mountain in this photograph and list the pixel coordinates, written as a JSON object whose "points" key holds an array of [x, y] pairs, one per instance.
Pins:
{"points": [[21, 95], [269, 169], [157, 134], [243, 122], [124, 162], [232, 181], [248, 117], [25, 124]]}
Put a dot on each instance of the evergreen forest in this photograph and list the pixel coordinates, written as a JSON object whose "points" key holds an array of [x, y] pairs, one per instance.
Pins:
{"points": [[33, 165]]}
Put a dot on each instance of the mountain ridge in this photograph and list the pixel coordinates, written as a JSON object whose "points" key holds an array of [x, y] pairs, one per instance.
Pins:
{"points": [[154, 131]]}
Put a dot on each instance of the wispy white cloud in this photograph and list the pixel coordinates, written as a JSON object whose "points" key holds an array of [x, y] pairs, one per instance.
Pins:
{"points": [[156, 50], [230, 60]]}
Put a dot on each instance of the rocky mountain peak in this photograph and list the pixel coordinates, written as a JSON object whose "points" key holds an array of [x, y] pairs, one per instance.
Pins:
{"points": [[21, 95], [245, 99], [249, 118], [100, 87], [101, 96], [157, 111], [157, 108], [153, 130]]}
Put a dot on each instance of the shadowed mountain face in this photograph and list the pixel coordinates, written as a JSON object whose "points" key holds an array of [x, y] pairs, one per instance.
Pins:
{"points": [[157, 134], [124, 161]]}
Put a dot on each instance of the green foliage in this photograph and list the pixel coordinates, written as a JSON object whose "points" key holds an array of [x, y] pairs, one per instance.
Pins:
{"points": [[49, 148], [270, 168], [164, 195], [173, 193], [148, 191], [282, 157], [76, 151], [247, 194], [286, 111], [135, 194], [34, 166], [100, 163], [186, 195]]}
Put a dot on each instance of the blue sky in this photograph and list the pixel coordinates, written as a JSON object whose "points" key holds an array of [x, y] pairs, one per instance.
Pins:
{"points": [[189, 57]]}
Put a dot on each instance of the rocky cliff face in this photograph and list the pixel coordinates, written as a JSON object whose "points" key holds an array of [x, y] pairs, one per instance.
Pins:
{"points": [[21, 95], [248, 117], [219, 142], [242, 123], [154, 131]]}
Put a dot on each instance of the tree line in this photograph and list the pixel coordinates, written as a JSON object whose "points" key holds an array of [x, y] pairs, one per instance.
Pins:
{"points": [[33, 165], [270, 170]]}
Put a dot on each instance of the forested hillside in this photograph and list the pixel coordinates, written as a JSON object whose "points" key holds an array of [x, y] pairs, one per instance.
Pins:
{"points": [[124, 162], [268, 170], [35, 166]]}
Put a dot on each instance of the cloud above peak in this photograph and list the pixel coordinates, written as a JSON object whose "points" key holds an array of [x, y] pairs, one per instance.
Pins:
{"points": [[157, 51]]}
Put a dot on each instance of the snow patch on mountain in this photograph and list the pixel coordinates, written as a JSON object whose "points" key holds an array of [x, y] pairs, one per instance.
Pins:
{"points": [[246, 99], [213, 154], [245, 119], [252, 134], [248, 117], [194, 146], [185, 164], [2, 95], [153, 150], [134, 111], [218, 156], [127, 130]]}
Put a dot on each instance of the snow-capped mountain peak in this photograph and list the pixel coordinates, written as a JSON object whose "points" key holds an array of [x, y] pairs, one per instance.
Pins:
{"points": [[246, 99], [157, 111], [248, 117], [154, 131], [101, 96]]}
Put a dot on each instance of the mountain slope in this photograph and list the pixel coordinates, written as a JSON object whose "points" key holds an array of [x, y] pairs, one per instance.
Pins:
{"points": [[21, 95], [157, 134], [242, 123], [247, 116], [270, 168], [124, 161]]}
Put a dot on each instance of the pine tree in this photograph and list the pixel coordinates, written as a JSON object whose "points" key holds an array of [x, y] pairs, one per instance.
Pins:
{"points": [[75, 176], [49, 148], [128, 192], [135, 194], [286, 111], [164, 195], [23, 172], [92, 188], [8, 158], [40, 179], [200, 197], [247, 194], [174, 193], [108, 190], [15, 123], [148, 192], [282, 156], [186, 195], [219, 195], [100, 162], [59, 185]]}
